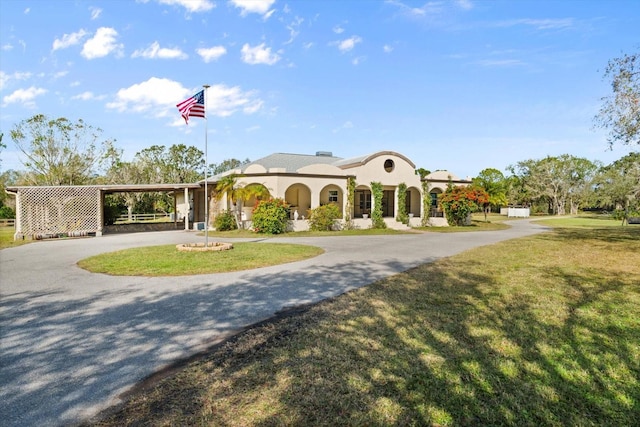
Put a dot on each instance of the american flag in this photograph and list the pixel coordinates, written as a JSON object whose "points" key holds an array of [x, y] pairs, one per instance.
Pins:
{"points": [[192, 107]]}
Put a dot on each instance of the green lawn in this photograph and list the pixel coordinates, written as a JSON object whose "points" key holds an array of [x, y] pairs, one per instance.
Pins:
{"points": [[583, 221], [166, 260], [538, 331], [6, 238]]}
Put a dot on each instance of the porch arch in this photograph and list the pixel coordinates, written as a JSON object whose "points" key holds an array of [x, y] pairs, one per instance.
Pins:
{"points": [[298, 196], [250, 203], [332, 194], [413, 202], [436, 208]]}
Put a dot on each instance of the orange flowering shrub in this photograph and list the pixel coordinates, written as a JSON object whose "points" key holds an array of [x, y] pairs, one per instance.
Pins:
{"points": [[460, 202]]}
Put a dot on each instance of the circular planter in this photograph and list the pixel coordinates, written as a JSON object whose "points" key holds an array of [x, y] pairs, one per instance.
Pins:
{"points": [[200, 247]]}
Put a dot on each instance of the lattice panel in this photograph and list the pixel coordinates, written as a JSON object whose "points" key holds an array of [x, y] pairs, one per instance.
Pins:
{"points": [[53, 211]]}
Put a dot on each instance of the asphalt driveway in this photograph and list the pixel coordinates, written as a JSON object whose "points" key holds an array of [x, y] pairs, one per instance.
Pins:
{"points": [[71, 342]]}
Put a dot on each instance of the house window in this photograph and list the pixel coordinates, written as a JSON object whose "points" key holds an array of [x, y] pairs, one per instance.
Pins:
{"points": [[389, 165], [333, 196]]}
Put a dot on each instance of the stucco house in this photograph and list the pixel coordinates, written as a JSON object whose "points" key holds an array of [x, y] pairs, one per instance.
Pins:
{"points": [[308, 181], [303, 181]]}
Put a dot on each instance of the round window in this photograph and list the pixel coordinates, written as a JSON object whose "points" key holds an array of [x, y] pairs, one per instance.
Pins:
{"points": [[389, 165]]}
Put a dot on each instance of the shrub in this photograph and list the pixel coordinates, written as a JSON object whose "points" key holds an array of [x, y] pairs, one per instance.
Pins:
{"points": [[7, 213], [460, 202], [112, 209], [225, 221], [402, 217], [322, 218], [271, 216], [376, 216]]}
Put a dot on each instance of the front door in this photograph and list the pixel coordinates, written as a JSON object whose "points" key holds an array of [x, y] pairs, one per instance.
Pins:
{"points": [[388, 204]]}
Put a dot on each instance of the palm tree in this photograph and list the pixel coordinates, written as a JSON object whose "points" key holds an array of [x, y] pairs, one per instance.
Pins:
{"points": [[237, 195]]}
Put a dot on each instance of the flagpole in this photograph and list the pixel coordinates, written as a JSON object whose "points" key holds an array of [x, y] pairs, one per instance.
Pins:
{"points": [[206, 168]]}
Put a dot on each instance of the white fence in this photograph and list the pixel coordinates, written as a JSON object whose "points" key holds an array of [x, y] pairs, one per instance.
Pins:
{"points": [[516, 212]]}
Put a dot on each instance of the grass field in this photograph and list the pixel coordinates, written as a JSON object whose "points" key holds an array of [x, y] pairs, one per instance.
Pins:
{"points": [[166, 260], [583, 221], [539, 331], [6, 238]]}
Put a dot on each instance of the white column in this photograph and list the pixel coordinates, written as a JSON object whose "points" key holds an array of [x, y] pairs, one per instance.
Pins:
{"points": [[186, 214]]}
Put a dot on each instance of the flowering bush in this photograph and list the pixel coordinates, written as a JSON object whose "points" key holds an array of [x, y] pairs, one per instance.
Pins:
{"points": [[323, 217], [460, 202], [270, 216]]}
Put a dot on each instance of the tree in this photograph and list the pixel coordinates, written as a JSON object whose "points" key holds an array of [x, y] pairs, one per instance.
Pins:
{"points": [[226, 165], [60, 152], [236, 195], [617, 185], [493, 182], [620, 112], [177, 164], [161, 165], [2, 146], [559, 181], [580, 179], [126, 173], [460, 202]]}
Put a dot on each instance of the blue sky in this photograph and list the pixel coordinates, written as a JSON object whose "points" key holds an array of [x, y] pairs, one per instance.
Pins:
{"points": [[458, 85]]}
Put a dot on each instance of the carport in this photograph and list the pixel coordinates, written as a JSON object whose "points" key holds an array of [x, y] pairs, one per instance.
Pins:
{"points": [[77, 210]]}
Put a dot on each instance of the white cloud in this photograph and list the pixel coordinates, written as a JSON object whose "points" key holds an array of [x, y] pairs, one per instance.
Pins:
{"points": [[155, 94], [540, 24], [253, 106], [156, 52], [95, 13], [501, 63], [387, 48], [464, 4], [294, 29], [338, 29], [85, 96], [69, 40], [267, 15], [7, 46], [223, 101], [101, 44], [253, 6], [345, 125], [159, 96], [259, 55], [60, 74], [348, 44], [213, 53], [191, 5], [25, 97], [308, 45], [6, 78], [358, 60]]}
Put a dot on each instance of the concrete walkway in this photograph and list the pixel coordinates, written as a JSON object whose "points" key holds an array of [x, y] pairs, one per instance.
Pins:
{"points": [[71, 341]]}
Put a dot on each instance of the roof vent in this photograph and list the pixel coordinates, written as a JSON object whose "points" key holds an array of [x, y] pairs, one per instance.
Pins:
{"points": [[324, 154]]}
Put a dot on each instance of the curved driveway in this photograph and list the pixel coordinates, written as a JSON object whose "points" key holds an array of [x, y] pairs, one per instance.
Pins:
{"points": [[71, 341]]}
